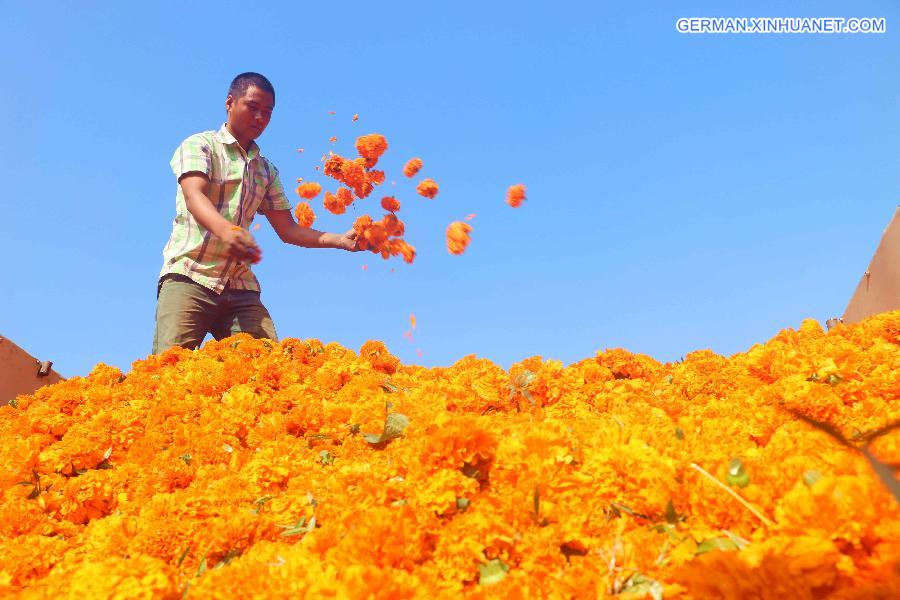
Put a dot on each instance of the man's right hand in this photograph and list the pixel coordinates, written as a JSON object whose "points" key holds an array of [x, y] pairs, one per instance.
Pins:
{"points": [[239, 244]]}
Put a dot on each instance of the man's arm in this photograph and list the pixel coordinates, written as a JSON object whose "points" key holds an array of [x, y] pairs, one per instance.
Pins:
{"points": [[239, 242], [290, 233]]}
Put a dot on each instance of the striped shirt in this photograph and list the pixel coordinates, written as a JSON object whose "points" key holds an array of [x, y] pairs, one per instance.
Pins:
{"points": [[240, 185]]}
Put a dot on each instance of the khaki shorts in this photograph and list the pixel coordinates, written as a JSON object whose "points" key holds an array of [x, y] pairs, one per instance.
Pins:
{"points": [[186, 311]]}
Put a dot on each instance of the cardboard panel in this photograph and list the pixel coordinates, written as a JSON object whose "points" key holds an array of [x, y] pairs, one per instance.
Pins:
{"points": [[19, 372], [879, 288]]}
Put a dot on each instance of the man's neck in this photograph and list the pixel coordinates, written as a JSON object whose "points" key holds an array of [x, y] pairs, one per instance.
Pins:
{"points": [[244, 144]]}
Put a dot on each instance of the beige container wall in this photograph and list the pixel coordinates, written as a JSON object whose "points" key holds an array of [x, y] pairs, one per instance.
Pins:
{"points": [[19, 372], [879, 288]]}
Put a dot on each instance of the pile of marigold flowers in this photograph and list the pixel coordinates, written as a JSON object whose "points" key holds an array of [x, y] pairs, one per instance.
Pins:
{"points": [[254, 469]]}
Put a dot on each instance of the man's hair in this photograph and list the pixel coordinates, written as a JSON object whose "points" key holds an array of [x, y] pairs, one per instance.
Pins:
{"points": [[243, 81]]}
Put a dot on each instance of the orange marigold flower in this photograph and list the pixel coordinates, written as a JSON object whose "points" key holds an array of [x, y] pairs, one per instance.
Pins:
{"points": [[401, 248], [333, 204], [309, 190], [376, 235], [412, 167], [392, 225], [515, 195], [376, 177], [376, 353], [351, 173], [371, 147], [345, 196], [362, 223], [355, 117], [332, 139], [390, 203], [305, 215], [427, 188], [458, 237]]}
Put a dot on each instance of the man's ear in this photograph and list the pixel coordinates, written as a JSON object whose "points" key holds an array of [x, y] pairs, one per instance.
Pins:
{"points": [[229, 102]]}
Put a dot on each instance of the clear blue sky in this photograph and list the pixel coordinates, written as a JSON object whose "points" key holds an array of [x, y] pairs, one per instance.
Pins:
{"points": [[684, 191]]}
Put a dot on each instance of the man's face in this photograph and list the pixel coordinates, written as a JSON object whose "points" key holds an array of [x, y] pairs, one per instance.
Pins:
{"points": [[249, 115]]}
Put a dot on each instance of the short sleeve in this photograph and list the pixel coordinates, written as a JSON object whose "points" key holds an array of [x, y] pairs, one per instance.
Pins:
{"points": [[275, 198], [194, 154]]}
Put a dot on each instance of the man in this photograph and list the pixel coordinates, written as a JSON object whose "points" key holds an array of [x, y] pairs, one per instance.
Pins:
{"points": [[205, 284]]}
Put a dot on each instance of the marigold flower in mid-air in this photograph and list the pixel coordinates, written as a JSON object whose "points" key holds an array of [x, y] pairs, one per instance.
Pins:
{"points": [[333, 204], [412, 167], [355, 117], [376, 177], [351, 173], [371, 147], [458, 237], [332, 139], [305, 215], [515, 195], [427, 188], [390, 203], [309, 190], [345, 196]]}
